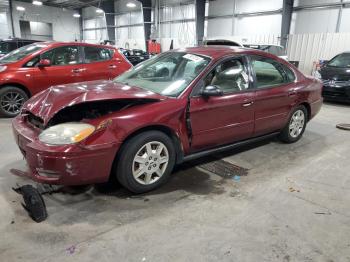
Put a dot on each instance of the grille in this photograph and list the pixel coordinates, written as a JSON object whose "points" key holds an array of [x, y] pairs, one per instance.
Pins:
{"points": [[335, 83], [334, 93]]}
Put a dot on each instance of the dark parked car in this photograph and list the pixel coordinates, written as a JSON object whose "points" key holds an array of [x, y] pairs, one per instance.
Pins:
{"points": [[335, 75], [33, 68], [135, 56], [138, 126], [8, 45]]}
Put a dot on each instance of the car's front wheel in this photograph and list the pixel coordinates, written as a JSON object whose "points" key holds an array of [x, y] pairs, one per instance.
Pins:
{"points": [[11, 100], [145, 161], [295, 127]]}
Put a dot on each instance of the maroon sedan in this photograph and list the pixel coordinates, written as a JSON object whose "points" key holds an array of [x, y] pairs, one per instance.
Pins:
{"points": [[172, 108]]}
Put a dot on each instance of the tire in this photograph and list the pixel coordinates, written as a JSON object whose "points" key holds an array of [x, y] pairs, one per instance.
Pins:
{"points": [[11, 101], [145, 161], [295, 127]]}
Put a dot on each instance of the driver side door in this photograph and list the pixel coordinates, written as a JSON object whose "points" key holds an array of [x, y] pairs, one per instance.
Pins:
{"points": [[227, 118]]}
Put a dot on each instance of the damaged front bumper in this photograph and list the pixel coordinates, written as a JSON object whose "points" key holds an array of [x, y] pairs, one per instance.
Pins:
{"points": [[62, 165]]}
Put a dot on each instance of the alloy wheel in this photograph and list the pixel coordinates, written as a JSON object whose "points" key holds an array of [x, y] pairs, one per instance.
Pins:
{"points": [[11, 102], [150, 163], [296, 124]]}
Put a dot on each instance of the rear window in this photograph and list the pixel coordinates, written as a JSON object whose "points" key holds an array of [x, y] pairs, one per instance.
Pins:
{"points": [[96, 54]]}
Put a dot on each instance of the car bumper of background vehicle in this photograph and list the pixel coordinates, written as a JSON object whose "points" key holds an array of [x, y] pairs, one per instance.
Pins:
{"points": [[341, 94], [62, 165]]}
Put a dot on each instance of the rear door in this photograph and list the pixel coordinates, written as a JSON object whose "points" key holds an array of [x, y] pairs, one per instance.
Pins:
{"points": [[219, 120], [275, 94], [66, 67], [103, 63], [97, 62]]}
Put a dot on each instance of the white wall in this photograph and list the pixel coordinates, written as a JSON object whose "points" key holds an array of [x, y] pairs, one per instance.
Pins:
{"points": [[314, 21], [243, 25], [92, 20], [64, 26], [4, 25], [322, 20], [183, 33], [132, 36], [309, 48]]}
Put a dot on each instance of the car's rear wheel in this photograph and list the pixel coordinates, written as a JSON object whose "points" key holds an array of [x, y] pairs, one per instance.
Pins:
{"points": [[11, 100], [295, 127], [146, 161]]}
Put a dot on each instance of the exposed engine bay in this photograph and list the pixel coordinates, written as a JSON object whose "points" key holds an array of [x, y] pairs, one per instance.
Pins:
{"points": [[88, 110]]}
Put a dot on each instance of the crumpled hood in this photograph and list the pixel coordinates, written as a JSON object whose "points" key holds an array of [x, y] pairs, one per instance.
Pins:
{"points": [[50, 101]]}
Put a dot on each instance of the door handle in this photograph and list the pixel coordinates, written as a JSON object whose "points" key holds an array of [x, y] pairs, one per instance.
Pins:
{"points": [[292, 93], [78, 70], [112, 66], [248, 104]]}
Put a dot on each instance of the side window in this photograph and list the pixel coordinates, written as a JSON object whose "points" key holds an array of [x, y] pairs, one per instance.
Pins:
{"points": [[95, 54], [231, 76], [12, 46], [289, 73], [268, 72], [34, 61], [65, 55]]}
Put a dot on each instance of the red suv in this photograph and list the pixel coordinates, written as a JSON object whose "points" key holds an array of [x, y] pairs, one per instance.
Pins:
{"points": [[33, 68]]}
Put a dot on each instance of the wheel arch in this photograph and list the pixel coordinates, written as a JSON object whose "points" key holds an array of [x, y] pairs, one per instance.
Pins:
{"points": [[22, 87], [161, 128], [164, 129], [308, 109]]}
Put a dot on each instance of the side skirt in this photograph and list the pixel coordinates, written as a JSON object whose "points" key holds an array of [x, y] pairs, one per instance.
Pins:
{"points": [[227, 147]]}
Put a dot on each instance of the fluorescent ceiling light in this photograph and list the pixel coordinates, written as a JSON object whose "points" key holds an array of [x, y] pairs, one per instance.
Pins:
{"points": [[76, 15], [20, 8], [37, 2], [100, 11], [131, 5]]}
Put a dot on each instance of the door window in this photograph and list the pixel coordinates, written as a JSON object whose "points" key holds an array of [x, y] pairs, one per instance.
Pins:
{"points": [[268, 72], [65, 55], [95, 54], [231, 76]]}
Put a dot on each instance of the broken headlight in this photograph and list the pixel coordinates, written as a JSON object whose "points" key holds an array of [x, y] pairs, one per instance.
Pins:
{"points": [[67, 133]]}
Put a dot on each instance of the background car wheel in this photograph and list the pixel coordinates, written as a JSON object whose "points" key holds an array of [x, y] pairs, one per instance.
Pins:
{"points": [[146, 161], [11, 100], [295, 127]]}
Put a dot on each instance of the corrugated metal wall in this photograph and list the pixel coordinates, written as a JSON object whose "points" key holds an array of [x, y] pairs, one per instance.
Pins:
{"points": [[309, 48], [261, 39]]}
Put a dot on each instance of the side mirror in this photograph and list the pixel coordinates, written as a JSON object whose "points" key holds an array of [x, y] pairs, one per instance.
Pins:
{"points": [[44, 62], [212, 91]]}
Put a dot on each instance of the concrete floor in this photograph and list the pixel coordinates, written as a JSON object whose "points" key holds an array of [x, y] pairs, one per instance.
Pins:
{"points": [[294, 205]]}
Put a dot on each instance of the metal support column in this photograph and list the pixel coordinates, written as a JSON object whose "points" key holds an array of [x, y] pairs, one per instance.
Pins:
{"points": [[287, 11], [108, 8], [11, 18], [200, 18], [340, 14], [147, 19]]}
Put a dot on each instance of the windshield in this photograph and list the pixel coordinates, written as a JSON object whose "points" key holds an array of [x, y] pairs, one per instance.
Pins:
{"points": [[21, 53], [168, 74], [342, 60]]}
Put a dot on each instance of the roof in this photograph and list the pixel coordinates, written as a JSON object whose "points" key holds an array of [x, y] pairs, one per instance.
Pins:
{"points": [[220, 51], [53, 43]]}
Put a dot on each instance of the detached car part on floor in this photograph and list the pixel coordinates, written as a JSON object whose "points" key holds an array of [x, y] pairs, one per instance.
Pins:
{"points": [[178, 106]]}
